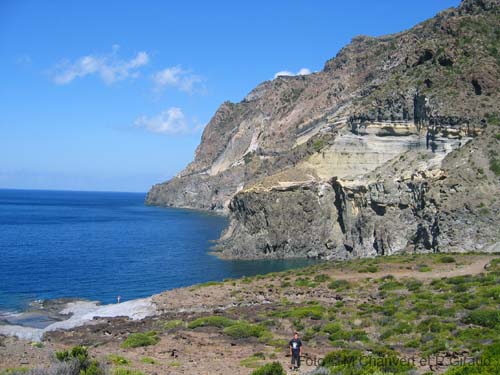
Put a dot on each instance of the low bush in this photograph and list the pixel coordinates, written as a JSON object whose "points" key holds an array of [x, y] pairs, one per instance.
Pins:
{"points": [[127, 371], [413, 285], [253, 361], [446, 259], [485, 318], [211, 321], [321, 278], [423, 268], [313, 312], [135, 340], [149, 360], [369, 269], [243, 329], [339, 285], [487, 364], [353, 362], [118, 360], [172, 324], [79, 362], [273, 368], [304, 282], [398, 329], [390, 285]]}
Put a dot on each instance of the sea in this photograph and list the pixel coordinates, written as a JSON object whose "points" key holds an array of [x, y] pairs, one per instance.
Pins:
{"points": [[101, 245]]}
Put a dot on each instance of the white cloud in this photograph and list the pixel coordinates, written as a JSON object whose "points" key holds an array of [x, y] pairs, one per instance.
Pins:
{"points": [[171, 122], [301, 72], [176, 76], [109, 67]]}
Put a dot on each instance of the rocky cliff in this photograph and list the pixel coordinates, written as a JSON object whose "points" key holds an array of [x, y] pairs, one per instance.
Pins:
{"points": [[392, 147]]}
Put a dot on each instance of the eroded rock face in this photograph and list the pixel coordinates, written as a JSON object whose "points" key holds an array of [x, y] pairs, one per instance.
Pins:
{"points": [[329, 220], [369, 156], [437, 204]]}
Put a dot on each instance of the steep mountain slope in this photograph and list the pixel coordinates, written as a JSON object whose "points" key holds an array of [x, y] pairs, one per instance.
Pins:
{"points": [[391, 147]]}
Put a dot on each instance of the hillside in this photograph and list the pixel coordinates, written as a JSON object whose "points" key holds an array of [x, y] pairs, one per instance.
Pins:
{"points": [[426, 314], [392, 147]]}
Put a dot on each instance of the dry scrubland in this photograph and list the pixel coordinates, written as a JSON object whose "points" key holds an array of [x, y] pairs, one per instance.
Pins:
{"points": [[376, 314]]}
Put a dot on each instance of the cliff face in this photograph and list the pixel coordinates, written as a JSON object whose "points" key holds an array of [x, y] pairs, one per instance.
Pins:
{"points": [[390, 148]]}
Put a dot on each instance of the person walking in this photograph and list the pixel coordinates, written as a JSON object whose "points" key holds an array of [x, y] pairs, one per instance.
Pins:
{"points": [[295, 351]]}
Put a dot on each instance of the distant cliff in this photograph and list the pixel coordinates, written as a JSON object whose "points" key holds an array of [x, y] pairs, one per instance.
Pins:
{"points": [[392, 147]]}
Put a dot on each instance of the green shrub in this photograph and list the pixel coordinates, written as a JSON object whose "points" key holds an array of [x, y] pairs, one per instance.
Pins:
{"points": [[491, 292], [211, 321], [304, 282], [430, 325], [398, 329], [149, 361], [390, 285], [205, 284], [14, 371], [369, 269], [253, 361], [487, 364], [273, 368], [495, 166], [171, 324], [118, 360], [335, 332], [314, 312], [339, 285], [126, 371], [423, 268], [135, 340], [446, 259], [77, 352], [484, 318], [244, 330], [321, 278], [493, 118], [84, 365], [352, 362], [318, 145], [413, 285]]}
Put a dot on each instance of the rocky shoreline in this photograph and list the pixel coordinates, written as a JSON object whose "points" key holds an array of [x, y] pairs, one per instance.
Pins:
{"points": [[304, 299]]}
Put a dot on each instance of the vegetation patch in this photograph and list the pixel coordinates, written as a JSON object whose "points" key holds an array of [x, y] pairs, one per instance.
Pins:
{"points": [[495, 166], [81, 361], [485, 318], [339, 285], [372, 268], [244, 329], [312, 312], [127, 371], [135, 340], [172, 324], [254, 361], [211, 321], [118, 360], [273, 368], [446, 259], [149, 360], [353, 362]]}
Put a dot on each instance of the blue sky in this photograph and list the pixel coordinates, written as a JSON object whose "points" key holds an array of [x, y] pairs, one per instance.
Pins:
{"points": [[113, 95]]}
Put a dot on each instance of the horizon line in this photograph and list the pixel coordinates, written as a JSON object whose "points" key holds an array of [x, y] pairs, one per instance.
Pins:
{"points": [[75, 190]]}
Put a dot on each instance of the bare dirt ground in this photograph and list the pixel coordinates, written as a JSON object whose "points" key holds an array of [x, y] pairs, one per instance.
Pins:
{"points": [[207, 350]]}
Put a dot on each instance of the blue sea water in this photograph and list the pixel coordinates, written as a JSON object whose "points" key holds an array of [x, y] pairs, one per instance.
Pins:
{"points": [[98, 245]]}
